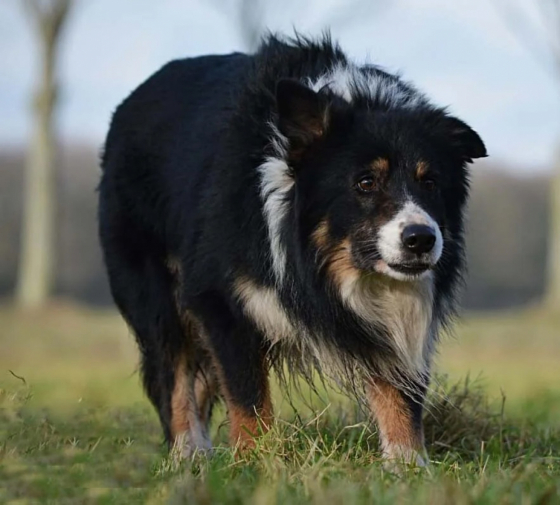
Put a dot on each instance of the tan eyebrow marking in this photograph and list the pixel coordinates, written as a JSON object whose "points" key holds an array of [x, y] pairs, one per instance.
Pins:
{"points": [[380, 165], [421, 169]]}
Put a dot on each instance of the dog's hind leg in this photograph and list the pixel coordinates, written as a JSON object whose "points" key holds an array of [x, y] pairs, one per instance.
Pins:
{"points": [[144, 289], [191, 405], [194, 394], [195, 385]]}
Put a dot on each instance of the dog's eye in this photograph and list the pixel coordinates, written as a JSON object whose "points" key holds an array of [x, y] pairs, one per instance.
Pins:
{"points": [[365, 185], [429, 184]]}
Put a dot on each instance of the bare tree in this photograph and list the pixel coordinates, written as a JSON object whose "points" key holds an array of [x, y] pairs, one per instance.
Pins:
{"points": [[553, 286], [551, 13], [36, 269], [542, 38]]}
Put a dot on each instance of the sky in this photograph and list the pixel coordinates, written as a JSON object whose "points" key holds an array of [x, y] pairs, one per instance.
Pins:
{"points": [[469, 55]]}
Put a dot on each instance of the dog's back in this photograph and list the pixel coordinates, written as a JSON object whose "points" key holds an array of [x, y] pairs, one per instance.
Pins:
{"points": [[161, 137]]}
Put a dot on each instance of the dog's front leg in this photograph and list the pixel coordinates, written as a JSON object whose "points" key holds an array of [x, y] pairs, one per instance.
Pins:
{"points": [[238, 352], [399, 418]]}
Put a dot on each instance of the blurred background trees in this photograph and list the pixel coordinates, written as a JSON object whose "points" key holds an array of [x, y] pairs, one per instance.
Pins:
{"points": [[542, 38], [514, 218], [507, 232], [551, 14], [36, 272]]}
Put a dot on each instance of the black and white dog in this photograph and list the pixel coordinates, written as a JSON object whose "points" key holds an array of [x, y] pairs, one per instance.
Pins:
{"points": [[284, 205]]}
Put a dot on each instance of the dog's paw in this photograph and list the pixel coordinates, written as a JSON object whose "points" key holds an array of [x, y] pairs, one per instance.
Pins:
{"points": [[187, 447], [400, 459]]}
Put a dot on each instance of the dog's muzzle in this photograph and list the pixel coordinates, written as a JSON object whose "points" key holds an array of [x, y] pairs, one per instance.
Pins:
{"points": [[410, 244]]}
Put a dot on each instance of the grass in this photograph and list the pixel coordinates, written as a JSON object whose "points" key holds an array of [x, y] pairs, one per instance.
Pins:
{"points": [[76, 428]]}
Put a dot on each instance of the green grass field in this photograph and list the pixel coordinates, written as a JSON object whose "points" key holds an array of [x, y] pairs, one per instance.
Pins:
{"points": [[76, 428]]}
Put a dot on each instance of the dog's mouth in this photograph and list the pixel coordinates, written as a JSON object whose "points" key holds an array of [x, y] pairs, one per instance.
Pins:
{"points": [[410, 268], [403, 271]]}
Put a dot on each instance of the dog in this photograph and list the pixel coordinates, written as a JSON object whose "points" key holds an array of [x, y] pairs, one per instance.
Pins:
{"points": [[288, 205]]}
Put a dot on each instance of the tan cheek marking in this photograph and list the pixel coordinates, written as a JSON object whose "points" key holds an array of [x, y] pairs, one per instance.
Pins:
{"points": [[340, 266], [320, 236], [393, 417]]}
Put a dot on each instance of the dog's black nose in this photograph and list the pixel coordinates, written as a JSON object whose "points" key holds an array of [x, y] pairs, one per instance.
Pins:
{"points": [[418, 238]]}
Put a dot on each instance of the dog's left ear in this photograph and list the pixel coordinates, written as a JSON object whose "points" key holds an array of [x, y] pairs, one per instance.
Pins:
{"points": [[303, 114], [464, 139]]}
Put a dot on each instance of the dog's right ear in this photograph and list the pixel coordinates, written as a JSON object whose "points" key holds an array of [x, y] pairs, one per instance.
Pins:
{"points": [[303, 114], [463, 139]]}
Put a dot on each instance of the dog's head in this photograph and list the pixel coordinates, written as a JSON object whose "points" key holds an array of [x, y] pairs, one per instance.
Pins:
{"points": [[376, 189]]}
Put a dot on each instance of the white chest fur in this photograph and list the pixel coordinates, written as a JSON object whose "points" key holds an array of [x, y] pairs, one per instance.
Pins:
{"points": [[403, 308]]}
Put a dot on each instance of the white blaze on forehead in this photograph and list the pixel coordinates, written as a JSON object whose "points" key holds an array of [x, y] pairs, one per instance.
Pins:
{"points": [[339, 80], [350, 81], [389, 241]]}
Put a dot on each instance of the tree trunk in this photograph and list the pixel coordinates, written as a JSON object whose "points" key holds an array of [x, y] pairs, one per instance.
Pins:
{"points": [[36, 275], [553, 288]]}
